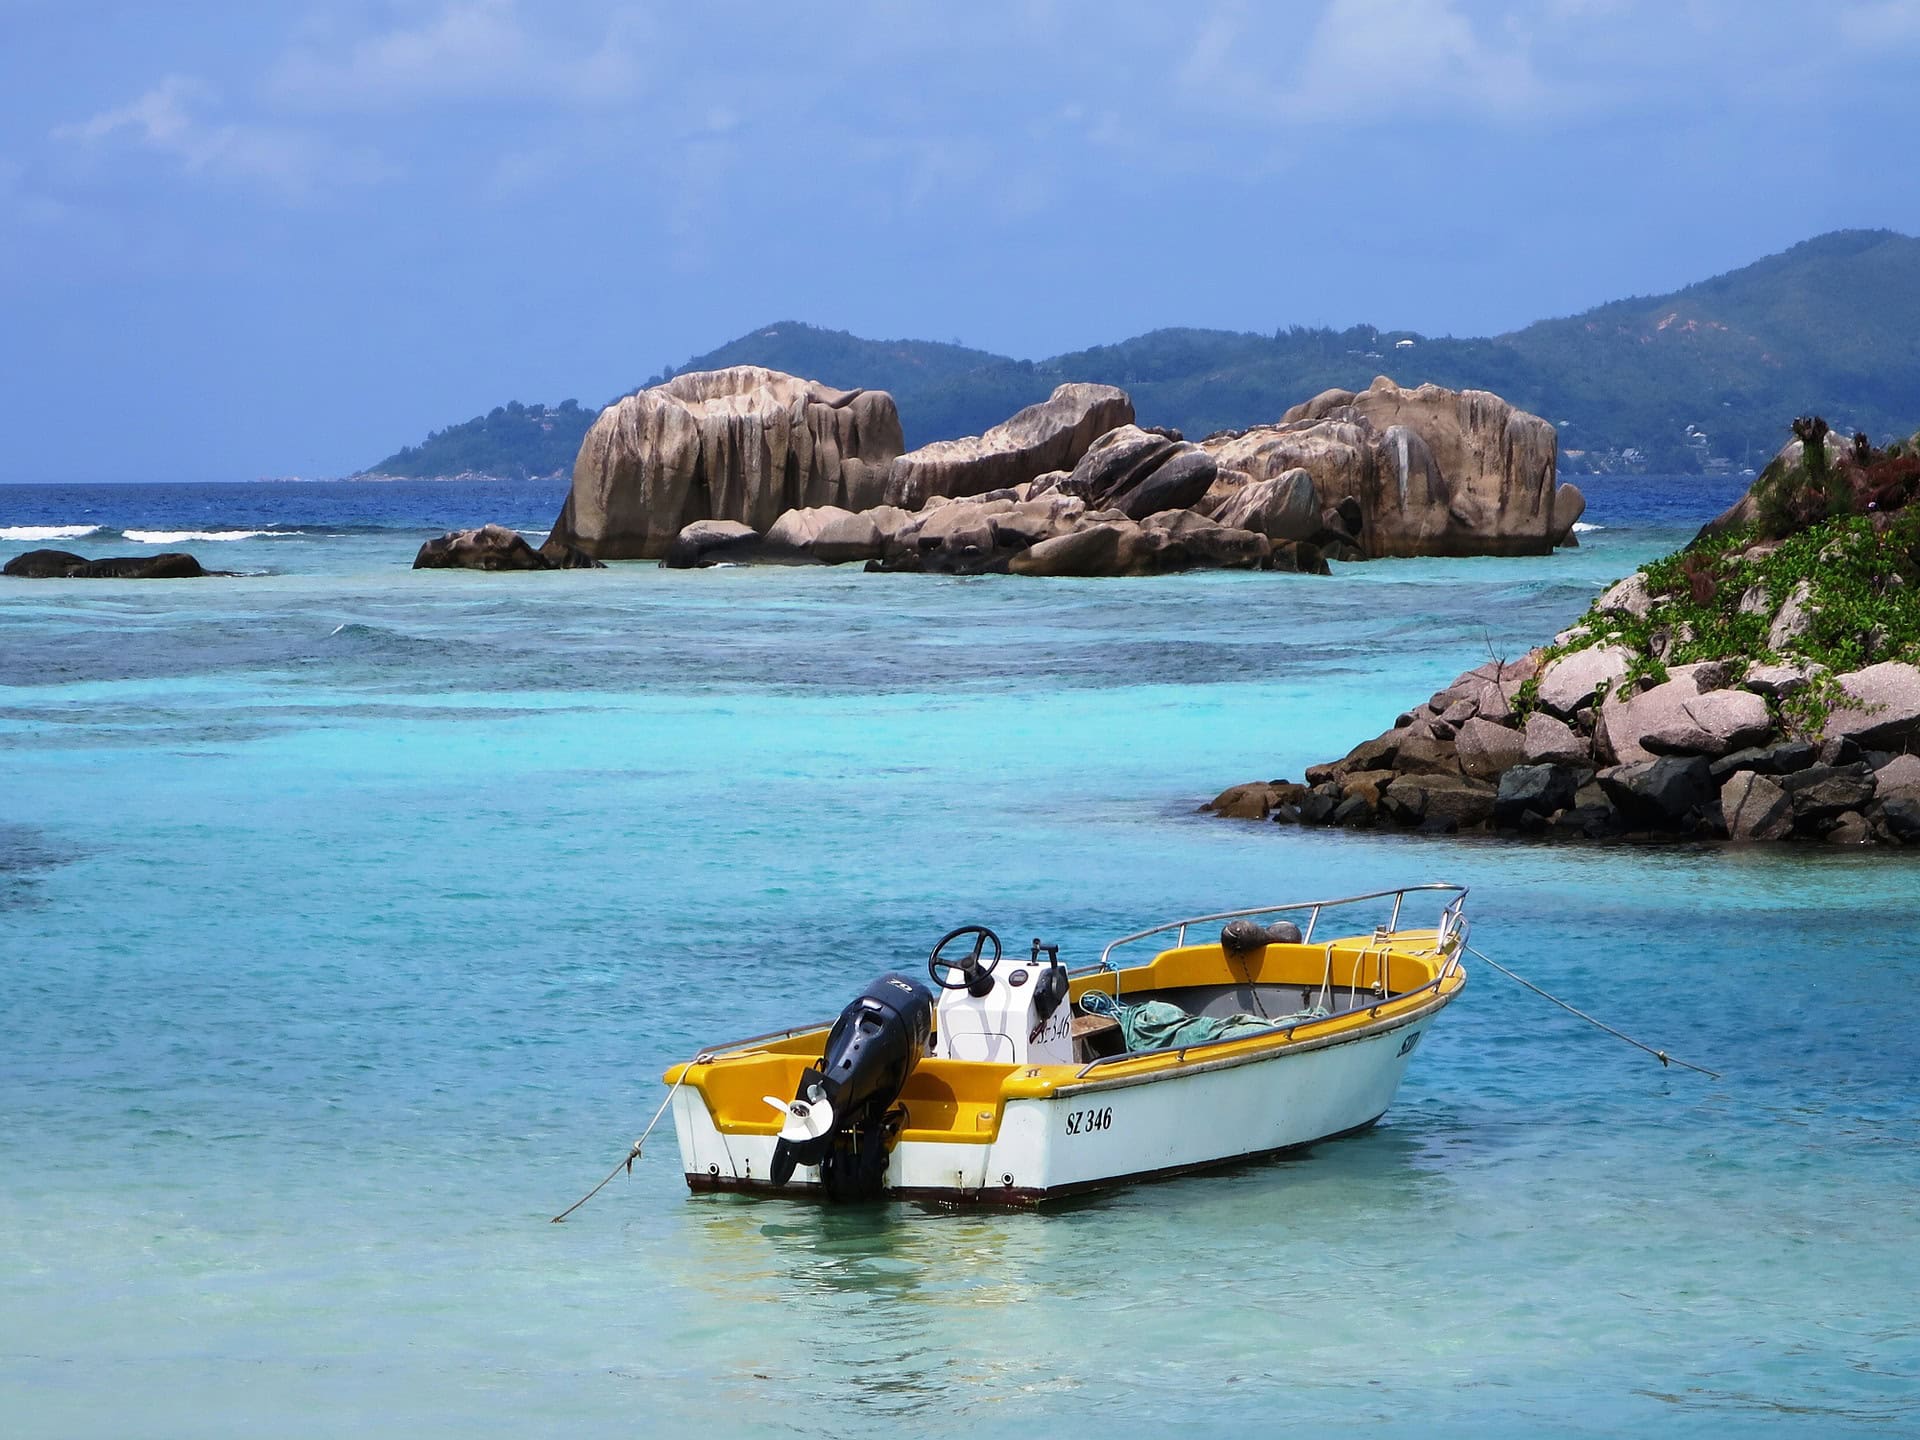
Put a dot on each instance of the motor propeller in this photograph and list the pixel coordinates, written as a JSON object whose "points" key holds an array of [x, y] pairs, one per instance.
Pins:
{"points": [[838, 1118]]}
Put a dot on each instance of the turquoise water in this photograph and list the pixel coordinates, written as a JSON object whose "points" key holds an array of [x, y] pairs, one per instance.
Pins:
{"points": [[349, 916]]}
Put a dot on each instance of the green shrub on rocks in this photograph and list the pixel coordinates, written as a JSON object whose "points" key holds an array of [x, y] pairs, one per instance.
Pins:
{"points": [[1839, 592]]}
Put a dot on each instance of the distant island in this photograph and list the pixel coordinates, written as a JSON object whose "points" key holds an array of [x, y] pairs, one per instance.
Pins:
{"points": [[1689, 382]]}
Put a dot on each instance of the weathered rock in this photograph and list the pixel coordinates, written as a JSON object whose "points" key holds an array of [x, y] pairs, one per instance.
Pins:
{"points": [[1821, 794], [491, 547], [1180, 481], [1843, 750], [1110, 548], [168, 565], [1353, 812], [1052, 435], [1115, 462], [1375, 754], [1539, 789], [1849, 829], [1568, 506], [1404, 800], [1628, 597], [1486, 749], [560, 555], [1455, 473], [1423, 754], [1244, 802], [1704, 675], [742, 444], [1464, 802], [1366, 783], [1181, 540], [1754, 807], [1898, 817], [1590, 822], [792, 534], [1782, 759], [1676, 719], [1297, 556], [958, 539], [1031, 521], [1793, 619], [1882, 707], [1548, 741], [1666, 793], [1281, 507], [1570, 682], [43, 565], [708, 542], [1900, 777], [845, 539]]}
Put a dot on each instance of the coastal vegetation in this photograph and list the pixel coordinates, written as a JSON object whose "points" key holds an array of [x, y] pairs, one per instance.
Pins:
{"points": [[1688, 381]]}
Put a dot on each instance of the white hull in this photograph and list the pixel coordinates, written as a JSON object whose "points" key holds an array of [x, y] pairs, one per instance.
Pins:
{"points": [[1099, 1132]]}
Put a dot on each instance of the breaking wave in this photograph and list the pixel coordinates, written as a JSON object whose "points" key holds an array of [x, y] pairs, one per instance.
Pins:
{"points": [[1581, 527], [175, 537], [47, 532]]}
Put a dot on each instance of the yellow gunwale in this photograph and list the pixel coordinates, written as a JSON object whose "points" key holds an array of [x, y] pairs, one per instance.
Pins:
{"points": [[962, 1102]]}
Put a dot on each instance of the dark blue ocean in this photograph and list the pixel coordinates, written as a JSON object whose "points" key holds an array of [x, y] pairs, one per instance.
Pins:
{"points": [[349, 914]]}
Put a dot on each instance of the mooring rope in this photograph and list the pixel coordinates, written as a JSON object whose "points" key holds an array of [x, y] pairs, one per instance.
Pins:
{"points": [[626, 1161], [1660, 1055]]}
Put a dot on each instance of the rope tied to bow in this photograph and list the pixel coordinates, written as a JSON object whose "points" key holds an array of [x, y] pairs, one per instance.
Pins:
{"points": [[626, 1161], [1662, 1056]]}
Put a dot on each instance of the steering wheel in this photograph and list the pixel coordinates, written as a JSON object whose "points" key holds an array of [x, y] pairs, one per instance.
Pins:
{"points": [[969, 968]]}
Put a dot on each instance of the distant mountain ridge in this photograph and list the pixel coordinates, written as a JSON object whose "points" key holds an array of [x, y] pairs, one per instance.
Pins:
{"points": [[1702, 379]]}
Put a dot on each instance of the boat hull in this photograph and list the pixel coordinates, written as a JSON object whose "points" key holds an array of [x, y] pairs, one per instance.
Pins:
{"points": [[1103, 1131]]}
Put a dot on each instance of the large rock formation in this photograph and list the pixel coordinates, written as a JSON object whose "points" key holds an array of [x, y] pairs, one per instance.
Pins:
{"points": [[802, 471], [1052, 435], [744, 444], [1435, 471]]}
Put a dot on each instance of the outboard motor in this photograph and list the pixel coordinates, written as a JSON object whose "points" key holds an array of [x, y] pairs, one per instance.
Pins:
{"points": [[843, 1117]]}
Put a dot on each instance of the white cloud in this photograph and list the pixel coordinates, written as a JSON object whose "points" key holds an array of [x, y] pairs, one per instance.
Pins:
{"points": [[1365, 60], [467, 49], [165, 121]]}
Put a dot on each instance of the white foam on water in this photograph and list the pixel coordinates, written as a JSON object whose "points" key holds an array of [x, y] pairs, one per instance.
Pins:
{"points": [[1581, 527], [46, 532], [174, 537]]}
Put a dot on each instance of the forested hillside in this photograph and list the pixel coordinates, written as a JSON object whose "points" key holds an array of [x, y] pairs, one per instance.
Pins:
{"points": [[1693, 380]]}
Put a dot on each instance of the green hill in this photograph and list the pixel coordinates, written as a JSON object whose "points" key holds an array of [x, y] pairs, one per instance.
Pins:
{"points": [[1689, 381], [511, 442]]}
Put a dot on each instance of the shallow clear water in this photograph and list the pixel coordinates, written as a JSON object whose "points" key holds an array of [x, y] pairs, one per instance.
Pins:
{"points": [[349, 916]]}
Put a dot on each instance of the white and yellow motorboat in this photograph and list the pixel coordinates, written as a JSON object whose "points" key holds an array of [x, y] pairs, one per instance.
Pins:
{"points": [[1025, 1083]]}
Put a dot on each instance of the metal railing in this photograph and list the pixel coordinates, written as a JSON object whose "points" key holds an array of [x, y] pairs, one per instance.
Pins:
{"points": [[1450, 916], [1450, 934]]}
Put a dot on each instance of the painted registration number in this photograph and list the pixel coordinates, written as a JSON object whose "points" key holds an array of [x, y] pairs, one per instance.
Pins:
{"points": [[1085, 1122]]}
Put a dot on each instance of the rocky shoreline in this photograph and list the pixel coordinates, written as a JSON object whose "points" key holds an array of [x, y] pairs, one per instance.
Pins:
{"points": [[1763, 684]]}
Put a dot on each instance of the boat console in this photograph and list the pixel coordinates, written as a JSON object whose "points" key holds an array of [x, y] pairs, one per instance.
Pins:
{"points": [[1016, 1015]]}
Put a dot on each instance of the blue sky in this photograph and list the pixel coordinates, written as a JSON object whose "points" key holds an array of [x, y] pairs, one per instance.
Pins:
{"points": [[281, 238]]}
